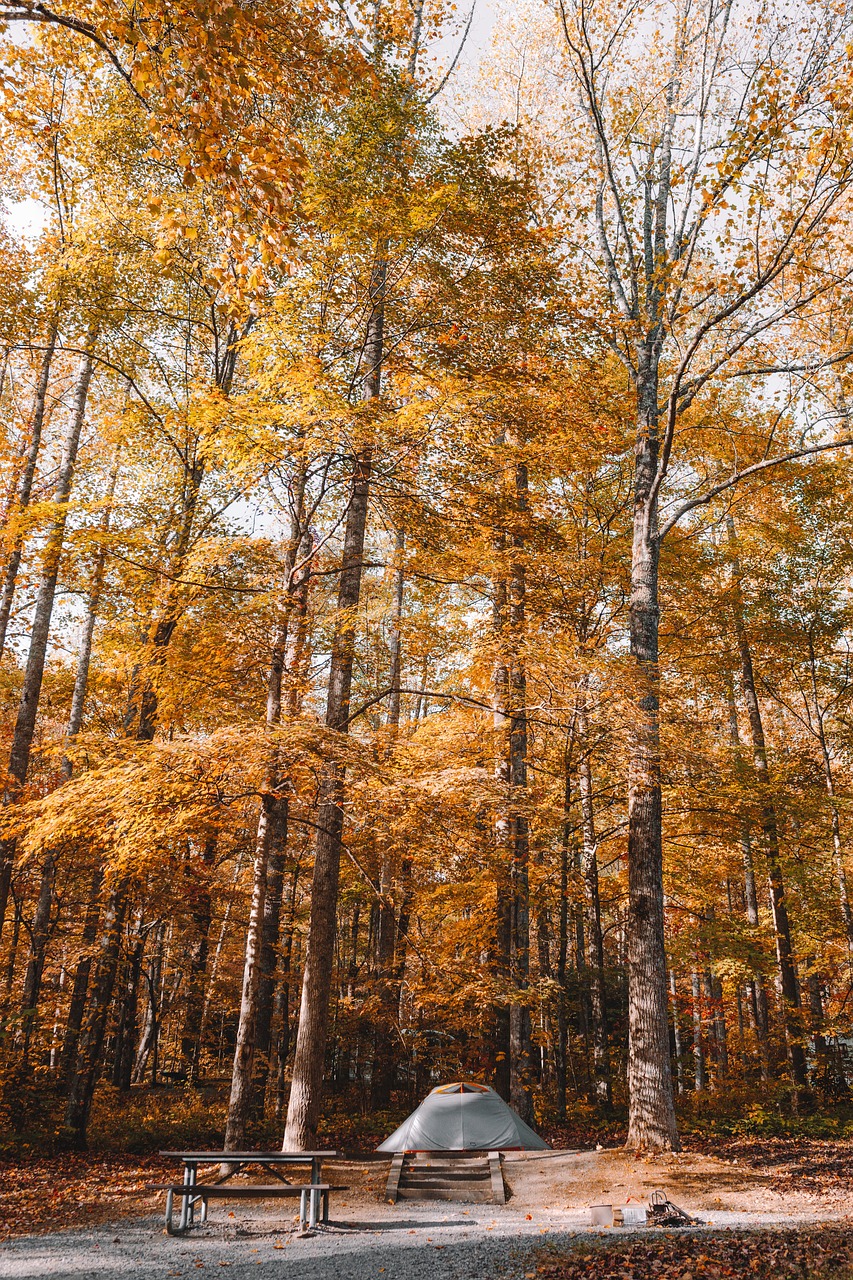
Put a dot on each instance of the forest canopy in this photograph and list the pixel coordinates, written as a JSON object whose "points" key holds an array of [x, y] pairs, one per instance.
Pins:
{"points": [[425, 559]]}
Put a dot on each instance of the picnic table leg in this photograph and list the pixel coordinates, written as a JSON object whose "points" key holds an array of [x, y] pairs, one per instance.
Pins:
{"points": [[186, 1200], [302, 1196], [312, 1214], [169, 1199]]}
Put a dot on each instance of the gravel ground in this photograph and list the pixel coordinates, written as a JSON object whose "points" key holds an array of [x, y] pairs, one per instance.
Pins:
{"points": [[432, 1241]]}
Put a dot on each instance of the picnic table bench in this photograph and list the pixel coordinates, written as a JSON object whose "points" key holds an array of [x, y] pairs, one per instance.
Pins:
{"points": [[312, 1195]]}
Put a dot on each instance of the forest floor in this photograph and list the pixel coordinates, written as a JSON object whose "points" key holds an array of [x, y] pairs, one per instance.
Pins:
{"points": [[771, 1207]]}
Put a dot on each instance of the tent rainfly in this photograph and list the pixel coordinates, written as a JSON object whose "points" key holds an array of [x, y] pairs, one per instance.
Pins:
{"points": [[463, 1117]]}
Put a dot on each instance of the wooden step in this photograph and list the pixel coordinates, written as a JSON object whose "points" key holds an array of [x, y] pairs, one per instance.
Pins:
{"points": [[427, 1176], [463, 1195]]}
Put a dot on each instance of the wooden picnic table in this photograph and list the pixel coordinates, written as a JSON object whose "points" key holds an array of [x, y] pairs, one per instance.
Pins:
{"points": [[192, 1191]]}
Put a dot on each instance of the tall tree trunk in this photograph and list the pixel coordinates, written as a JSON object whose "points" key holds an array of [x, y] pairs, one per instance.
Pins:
{"points": [[503, 879], [521, 1050], [77, 1003], [794, 1030], [270, 976], [151, 1025], [303, 1111], [202, 912], [561, 1046], [282, 998], [40, 931], [254, 1027], [676, 1033], [757, 991], [125, 1039], [700, 1074], [25, 724], [597, 1002], [84, 1074], [835, 817], [384, 1042], [90, 1043], [241, 1079], [39, 937], [651, 1113], [7, 594]]}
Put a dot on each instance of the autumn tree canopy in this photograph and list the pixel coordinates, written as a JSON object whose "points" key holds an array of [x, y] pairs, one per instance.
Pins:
{"points": [[425, 550]]}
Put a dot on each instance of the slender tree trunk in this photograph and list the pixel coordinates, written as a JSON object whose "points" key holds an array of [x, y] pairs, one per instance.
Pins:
{"points": [[561, 1046], [720, 1030], [700, 1074], [758, 994], [254, 1028], [40, 932], [151, 1025], [25, 724], [521, 1050], [306, 1090], [651, 1115], [282, 1044], [83, 1077], [597, 1001], [784, 949], [676, 1033], [503, 882], [269, 962], [384, 1042], [835, 817], [77, 1004], [202, 911], [241, 1080], [39, 937], [7, 594], [125, 1040], [91, 1039]]}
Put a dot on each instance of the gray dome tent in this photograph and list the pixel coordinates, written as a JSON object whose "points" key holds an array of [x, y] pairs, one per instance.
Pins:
{"points": [[463, 1117]]}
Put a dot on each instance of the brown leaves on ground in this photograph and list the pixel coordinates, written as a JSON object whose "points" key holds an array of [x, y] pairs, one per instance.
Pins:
{"points": [[795, 1163], [826, 1253], [77, 1190]]}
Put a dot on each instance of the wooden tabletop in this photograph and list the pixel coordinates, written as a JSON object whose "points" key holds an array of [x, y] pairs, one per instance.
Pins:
{"points": [[268, 1157]]}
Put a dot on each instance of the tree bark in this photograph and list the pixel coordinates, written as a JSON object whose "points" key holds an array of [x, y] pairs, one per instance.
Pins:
{"points": [[254, 1028], [202, 911], [40, 932], [794, 1030], [303, 1111], [77, 1003], [521, 1050], [597, 1000], [676, 1033], [651, 1116], [241, 1079], [90, 1043], [835, 817], [26, 482], [25, 724], [700, 1075]]}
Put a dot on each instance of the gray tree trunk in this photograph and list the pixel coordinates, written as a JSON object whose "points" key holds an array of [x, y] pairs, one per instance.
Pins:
{"points": [[794, 1030], [306, 1090], [651, 1117], [25, 724], [25, 488], [597, 1000]]}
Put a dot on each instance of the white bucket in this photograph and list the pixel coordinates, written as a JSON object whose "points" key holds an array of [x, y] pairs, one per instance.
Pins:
{"points": [[601, 1215]]}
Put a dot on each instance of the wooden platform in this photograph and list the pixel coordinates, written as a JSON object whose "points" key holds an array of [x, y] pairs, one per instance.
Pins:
{"points": [[468, 1176]]}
